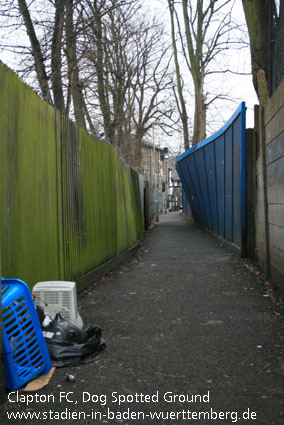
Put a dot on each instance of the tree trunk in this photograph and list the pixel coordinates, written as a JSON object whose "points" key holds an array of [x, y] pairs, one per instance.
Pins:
{"points": [[56, 61], [195, 55], [181, 106], [199, 111], [258, 15], [140, 133], [73, 69], [100, 71], [37, 53]]}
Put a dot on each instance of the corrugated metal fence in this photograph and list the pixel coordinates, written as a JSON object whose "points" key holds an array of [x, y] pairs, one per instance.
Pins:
{"points": [[213, 175]]}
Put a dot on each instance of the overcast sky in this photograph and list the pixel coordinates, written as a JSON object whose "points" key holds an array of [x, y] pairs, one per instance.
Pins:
{"points": [[240, 87]]}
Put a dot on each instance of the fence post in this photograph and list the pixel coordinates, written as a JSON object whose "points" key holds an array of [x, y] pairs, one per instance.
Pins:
{"points": [[251, 192], [262, 225]]}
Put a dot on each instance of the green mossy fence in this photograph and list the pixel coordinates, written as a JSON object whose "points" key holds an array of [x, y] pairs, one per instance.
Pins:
{"points": [[68, 202]]}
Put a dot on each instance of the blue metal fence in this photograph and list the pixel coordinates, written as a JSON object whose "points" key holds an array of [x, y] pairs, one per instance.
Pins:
{"points": [[213, 175], [186, 205]]}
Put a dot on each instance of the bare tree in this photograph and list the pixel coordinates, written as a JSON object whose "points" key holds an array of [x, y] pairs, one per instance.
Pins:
{"points": [[131, 66], [53, 52], [153, 80], [180, 100], [102, 62], [36, 51], [74, 82], [56, 55], [207, 31]]}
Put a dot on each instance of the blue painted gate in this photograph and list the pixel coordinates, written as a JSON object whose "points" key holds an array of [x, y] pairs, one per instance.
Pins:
{"points": [[213, 175]]}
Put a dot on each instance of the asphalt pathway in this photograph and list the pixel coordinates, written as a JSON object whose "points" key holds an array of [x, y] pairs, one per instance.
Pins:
{"points": [[193, 334]]}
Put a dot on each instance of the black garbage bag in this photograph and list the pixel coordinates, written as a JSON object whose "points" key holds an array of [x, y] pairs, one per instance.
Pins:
{"points": [[63, 331], [68, 345]]}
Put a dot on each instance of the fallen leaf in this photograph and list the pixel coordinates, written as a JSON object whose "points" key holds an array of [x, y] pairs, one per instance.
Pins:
{"points": [[231, 294], [212, 322]]}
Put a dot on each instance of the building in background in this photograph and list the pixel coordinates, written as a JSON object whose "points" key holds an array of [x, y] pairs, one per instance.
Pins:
{"points": [[174, 188], [168, 186], [161, 168]]}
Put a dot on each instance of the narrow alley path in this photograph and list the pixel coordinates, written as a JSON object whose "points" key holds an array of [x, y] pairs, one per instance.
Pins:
{"points": [[185, 318]]}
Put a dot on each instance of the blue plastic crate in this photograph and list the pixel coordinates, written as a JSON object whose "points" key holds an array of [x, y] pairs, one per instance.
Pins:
{"points": [[26, 354]]}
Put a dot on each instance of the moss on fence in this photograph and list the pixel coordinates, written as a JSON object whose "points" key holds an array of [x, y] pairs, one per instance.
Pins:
{"points": [[68, 202]]}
